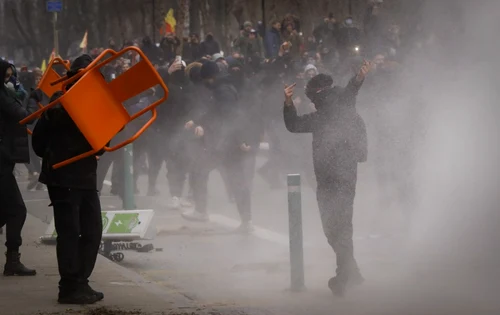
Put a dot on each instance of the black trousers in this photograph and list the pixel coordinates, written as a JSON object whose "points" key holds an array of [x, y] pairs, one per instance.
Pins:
{"points": [[178, 165], [335, 194], [12, 207], [156, 156], [78, 222], [248, 164], [237, 176]]}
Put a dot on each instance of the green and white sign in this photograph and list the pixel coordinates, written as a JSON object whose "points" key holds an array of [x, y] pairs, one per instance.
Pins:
{"points": [[121, 225]]}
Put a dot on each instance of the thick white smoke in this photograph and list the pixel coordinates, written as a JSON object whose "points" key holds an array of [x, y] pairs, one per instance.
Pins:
{"points": [[455, 228]]}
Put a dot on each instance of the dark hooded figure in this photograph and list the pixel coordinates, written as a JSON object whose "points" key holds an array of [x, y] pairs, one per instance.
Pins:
{"points": [[339, 144], [250, 97], [209, 46], [13, 149], [222, 133], [151, 51], [172, 117], [73, 193]]}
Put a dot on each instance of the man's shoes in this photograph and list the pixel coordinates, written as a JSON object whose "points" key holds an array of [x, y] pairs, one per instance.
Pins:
{"points": [[337, 287], [33, 181], [186, 203], [195, 216], [40, 187], [245, 228], [78, 297], [88, 290], [175, 203], [14, 267]]}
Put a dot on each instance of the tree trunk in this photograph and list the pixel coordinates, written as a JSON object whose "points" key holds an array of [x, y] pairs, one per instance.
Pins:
{"points": [[121, 24], [218, 11], [194, 17], [95, 35], [207, 15], [182, 14]]}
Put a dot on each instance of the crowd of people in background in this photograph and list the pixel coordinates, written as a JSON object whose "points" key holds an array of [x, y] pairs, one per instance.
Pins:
{"points": [[260, 62], [223, 105]]}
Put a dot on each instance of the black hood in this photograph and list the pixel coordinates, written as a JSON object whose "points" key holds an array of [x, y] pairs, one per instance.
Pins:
{"points": [[79, 63], [4, 65]]}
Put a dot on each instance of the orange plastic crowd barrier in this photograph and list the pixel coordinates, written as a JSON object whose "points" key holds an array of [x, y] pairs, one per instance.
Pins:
{"points": [[96, 106], [50, 75]]}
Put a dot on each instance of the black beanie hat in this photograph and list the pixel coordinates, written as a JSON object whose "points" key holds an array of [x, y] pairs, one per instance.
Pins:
{"points": [[79, 63], [320, 81], [209, 70]]}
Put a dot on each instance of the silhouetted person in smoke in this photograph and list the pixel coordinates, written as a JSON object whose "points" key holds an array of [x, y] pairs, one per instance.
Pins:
{"points": [[209, 46], [222, 131], [74, 197], [339, 144]]}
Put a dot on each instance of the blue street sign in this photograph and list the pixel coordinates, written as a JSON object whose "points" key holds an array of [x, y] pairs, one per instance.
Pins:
{"points": [[54, 6]]}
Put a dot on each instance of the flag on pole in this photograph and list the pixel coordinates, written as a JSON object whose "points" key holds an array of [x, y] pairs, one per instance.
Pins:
{"points": [[83, 44], [52, 55], [44, 65], [169, 23]]}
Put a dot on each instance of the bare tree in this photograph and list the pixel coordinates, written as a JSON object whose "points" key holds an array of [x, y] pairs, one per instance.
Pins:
{"points": [[194, 16]]}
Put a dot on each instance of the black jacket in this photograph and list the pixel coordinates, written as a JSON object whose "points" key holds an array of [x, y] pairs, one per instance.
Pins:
{"points": [[224, 121], [339, 133], [209, 47], [56, 138], [175, 112], [192, 52], [169, 48], [13, 136]]}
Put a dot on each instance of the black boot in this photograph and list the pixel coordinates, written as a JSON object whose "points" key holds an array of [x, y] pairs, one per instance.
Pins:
{"points": [[88, 289], [337, 286], [76, 296], [14, 267]]}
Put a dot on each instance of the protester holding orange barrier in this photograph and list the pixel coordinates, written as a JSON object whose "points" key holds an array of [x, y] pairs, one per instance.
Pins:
{"points": [[73, 193]]}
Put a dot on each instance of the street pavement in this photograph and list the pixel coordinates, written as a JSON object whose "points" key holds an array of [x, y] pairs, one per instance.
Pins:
{"points": [[208, 264]]}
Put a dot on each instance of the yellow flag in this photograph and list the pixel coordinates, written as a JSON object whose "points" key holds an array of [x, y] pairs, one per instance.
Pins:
{"points": [[170, 21], [83, 44], [44, 65], [52, 55]]}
